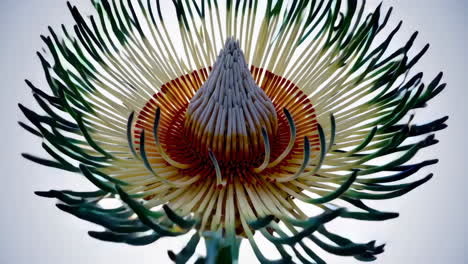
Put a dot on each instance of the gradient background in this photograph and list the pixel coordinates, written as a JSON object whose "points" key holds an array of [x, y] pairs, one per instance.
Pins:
{"points": [[430, 229]]}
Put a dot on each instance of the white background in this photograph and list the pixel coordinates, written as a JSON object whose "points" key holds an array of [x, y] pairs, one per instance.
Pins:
{"points": [[431, 227]]}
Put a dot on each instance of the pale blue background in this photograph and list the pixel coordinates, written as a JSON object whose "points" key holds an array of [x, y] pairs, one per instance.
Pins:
{"points": [[432, 225]]}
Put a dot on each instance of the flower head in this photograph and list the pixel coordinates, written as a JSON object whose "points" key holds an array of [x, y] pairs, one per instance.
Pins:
{"points": [[229, 124]]}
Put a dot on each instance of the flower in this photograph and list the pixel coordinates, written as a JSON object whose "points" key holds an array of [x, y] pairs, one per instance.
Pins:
{"points": [[232, 122]]}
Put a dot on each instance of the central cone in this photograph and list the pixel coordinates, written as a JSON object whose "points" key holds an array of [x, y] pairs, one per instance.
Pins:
{"points": [[227, 114]]}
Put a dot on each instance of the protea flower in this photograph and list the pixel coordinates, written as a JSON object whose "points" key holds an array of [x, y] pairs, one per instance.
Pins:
{"points": [[230, 124]]}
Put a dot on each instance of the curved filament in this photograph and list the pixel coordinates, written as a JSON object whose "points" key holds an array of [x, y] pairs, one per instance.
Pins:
{"points": [[219, 179], [267, 152], [304, 163], [160, 148], [292, 140], [146, 161]]}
